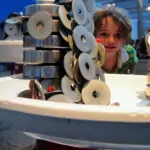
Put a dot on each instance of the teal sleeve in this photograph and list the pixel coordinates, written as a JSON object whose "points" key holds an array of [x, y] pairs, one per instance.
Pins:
{"points": [[132, 54]]}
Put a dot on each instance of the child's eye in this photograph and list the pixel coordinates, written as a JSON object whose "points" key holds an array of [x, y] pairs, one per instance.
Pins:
{"points": [[104, 34], [118, 35]]}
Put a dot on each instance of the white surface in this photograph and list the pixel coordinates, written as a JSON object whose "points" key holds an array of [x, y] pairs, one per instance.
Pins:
{"points": [[11, 86], [123, 90]]}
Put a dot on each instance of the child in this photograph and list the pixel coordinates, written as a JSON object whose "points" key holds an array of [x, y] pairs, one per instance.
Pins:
{"points": [[113, 30]]}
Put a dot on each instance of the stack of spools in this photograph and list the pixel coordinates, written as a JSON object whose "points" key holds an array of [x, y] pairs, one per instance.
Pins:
{"points": [[11, 27], [41, 34], [66, 55]]}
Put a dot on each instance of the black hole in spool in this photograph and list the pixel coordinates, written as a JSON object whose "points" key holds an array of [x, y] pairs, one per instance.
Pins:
{"points": [[73, 87], [80, 12], [83, 39], [96, 94], [87, 66]]}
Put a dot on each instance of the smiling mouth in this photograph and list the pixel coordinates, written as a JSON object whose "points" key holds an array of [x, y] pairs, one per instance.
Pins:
{"points": [[110, 48]]}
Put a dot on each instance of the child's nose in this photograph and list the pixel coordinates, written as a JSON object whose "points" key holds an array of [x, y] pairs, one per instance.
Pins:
{"points": [[111, 39]]}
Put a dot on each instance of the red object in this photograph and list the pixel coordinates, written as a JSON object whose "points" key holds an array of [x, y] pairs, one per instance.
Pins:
{"points": [[36, 96], [50, 88], [98, 40]]}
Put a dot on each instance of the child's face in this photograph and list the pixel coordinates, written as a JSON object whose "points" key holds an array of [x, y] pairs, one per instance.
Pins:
{"points": [[110, 35]]}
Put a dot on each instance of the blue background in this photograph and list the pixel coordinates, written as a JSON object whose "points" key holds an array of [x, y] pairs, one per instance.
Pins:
{"points": [[10, 6]]}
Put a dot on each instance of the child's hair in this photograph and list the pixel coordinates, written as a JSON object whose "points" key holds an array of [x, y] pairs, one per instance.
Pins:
{"points": [[119, 15]]}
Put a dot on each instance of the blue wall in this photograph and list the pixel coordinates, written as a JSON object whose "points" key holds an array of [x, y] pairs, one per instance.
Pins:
{"points": [[13, 6]]}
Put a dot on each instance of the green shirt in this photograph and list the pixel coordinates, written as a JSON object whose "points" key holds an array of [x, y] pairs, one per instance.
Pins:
{"points": [[127, 67]]}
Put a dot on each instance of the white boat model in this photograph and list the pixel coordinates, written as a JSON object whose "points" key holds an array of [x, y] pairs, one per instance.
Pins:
{"points": [[123, 127]]}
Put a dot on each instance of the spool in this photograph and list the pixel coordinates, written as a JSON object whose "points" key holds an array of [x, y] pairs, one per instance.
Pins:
{"points": [[87, 66], [50, 8], [65, 17], [83, 39], [40, 25], [70, 89], [68, 64], [96, 92], [79, 12]]}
